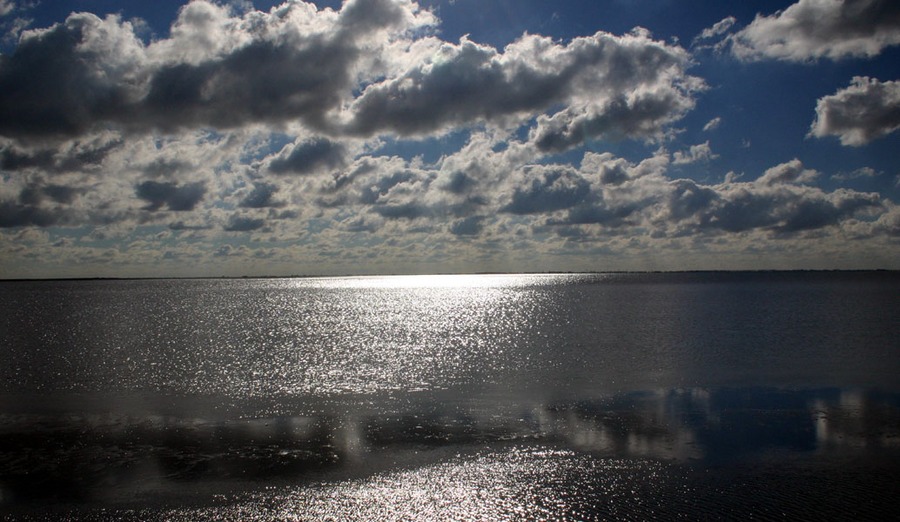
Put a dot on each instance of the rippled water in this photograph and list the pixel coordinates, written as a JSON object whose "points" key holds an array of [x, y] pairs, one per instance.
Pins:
{"points": [[435, 397]]}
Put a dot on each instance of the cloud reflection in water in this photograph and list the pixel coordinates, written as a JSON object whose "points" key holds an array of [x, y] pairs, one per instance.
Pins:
{"points": [[634, 452]]}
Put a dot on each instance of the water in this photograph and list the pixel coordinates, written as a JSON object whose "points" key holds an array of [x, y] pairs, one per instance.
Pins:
{"points": [[439, 397]]}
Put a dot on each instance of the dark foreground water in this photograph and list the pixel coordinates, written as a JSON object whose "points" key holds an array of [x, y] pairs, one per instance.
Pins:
{"points": [[707, 395]]}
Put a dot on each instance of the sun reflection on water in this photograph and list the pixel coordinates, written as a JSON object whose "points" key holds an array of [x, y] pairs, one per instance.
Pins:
{"points": [[536, 483], [429, 281]]}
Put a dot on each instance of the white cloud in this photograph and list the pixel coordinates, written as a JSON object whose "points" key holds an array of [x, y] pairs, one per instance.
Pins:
{"points": [[813, 29], [712, 124], [696, 153], [217, 69], [6, 7], [787, 173], [866, 110], [719, 28], [862, 172], [276, 133], [626, 86]]}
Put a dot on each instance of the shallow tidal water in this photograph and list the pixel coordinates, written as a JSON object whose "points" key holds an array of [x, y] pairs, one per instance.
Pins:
{"points": [[600, 396]]}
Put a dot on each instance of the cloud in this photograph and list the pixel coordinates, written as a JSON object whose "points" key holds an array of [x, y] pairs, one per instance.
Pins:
{"points": [[308, 156], [367, 70], [14, 214], [712, 124], [77, 155], [34, 194], [176, 197], [633, 115], [628, 86], [696, 153], [540, 189], [470, 226], [242, 223], [789, 172], [783, 209], [6, 7], [814, 29], [866, 110], [645, 198], [862, 172], [719, 28], [261, 196], [289, 128], [294, 63]]}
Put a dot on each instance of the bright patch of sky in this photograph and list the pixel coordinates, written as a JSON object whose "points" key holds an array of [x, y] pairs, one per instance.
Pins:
{"points": [[388, 136]]}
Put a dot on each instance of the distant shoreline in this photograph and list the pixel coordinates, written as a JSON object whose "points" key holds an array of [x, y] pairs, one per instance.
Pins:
{"points": [[597, 272]]}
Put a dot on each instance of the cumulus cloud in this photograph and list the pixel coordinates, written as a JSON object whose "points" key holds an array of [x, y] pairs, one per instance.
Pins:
{"points": [[6, 7], [176, 197], [14, 214], [866, 110], [262, 196], [813, 29], [696, 153], [789, 172], [216, 69], [470, 226], [540, 189], [244, 223], [292, 127], [308, 156], [620, 85], [778, 202], [364, 70]]}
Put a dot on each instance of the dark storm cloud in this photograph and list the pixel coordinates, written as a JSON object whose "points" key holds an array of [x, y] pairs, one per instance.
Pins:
{"points": [[866, 110], [309, 156], [546, 190], [812, 29], [175, 197]]}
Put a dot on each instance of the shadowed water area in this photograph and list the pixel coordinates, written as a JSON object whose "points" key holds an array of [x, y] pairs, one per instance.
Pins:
{"points": [[463, 397]]}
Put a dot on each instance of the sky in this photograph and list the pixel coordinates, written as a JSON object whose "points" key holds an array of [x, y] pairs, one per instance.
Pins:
{"points": [[387, 136]]}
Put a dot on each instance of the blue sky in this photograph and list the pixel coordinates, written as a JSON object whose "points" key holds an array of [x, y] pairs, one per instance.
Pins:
{"points": [[388, 136]]}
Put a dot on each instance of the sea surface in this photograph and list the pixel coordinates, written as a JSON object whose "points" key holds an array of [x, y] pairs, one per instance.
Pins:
{"points": [[735, 395]]}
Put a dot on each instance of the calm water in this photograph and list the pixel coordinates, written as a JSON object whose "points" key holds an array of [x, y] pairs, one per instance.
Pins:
{"points": [[467, 397]]}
